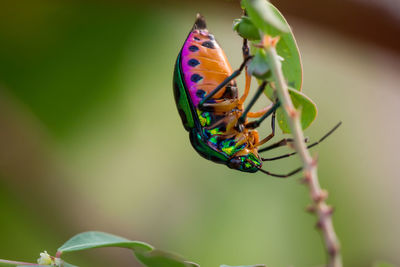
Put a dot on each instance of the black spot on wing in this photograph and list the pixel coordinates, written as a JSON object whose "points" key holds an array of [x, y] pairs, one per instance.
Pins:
{"points": [[193, 48], [193, 62], [200, 93], [195, 78], [196, 38], [208, 44]]}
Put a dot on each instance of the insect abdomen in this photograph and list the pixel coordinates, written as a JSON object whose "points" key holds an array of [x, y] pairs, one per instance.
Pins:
{"points": [[204, 66]]}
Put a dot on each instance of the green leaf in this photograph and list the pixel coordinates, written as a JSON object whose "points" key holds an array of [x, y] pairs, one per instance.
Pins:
{"points": [[302, 103], [258, 66], [158, 258], [145, 253], [246, 29], [288, 50], [263, 15], [88, 240]]}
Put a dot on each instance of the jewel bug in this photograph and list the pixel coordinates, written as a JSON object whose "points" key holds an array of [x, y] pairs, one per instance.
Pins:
{"points": [[211, 110]]}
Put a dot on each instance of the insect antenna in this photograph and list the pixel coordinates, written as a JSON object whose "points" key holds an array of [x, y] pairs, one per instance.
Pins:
{"points": [[281, 175], [274, 174], [309, 146]]}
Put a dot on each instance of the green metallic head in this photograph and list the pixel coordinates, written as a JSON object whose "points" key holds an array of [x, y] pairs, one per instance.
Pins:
{"points": [[245, 163]]}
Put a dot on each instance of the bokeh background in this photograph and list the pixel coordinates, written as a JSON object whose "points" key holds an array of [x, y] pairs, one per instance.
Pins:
{"points": [[90, 138]]}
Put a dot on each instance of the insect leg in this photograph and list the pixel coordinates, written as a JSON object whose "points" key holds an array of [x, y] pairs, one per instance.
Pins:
{"points": [[272, 134], [259, 113], [228, 121], [246, 53], [275, 174], [310, 146], [260, 90], [280, 143], [246, 88], [245, 49], [224, 83], [271, 110], [220, 106]]}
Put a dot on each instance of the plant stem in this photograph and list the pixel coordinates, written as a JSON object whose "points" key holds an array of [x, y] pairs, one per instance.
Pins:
{"points": [[18, 263], [318, 196]]}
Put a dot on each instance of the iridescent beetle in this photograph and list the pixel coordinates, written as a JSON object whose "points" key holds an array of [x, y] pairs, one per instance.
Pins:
{"points": [[207, 99]]}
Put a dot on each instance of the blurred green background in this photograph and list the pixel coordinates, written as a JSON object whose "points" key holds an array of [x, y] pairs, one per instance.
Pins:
{"points": [[90, 139]]}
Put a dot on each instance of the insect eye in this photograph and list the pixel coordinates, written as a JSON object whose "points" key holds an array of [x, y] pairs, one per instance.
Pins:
{"points": [[235, 163]]}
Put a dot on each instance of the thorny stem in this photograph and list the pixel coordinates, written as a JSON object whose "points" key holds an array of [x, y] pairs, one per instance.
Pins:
{"points": [[318, 195]]}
